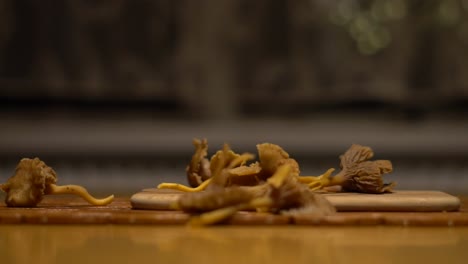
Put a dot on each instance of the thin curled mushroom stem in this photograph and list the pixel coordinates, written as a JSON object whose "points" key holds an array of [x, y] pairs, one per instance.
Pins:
{"points": [[221, 214], [309, 179], [318, 182], [181, 187], [322, 181], [213, 216], [78, 190]]}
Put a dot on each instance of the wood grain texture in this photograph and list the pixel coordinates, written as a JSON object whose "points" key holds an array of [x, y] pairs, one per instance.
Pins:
{"points": [[73, 210]]}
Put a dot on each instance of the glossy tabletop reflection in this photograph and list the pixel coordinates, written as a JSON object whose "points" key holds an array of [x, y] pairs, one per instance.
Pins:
{"points": [[231, 244]]}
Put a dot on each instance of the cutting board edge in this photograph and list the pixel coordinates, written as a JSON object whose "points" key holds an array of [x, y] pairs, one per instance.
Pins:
{"points": [[439, 202]]}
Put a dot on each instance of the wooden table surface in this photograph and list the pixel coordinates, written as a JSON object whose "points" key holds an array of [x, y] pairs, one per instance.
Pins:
{"points": [[73, 210], [117, 234], [231, 244]]}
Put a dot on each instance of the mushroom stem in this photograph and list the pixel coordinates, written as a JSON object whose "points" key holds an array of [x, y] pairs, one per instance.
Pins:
{"points": [[309, 179], [181, 187], [80, 191], [221, 214], [326, 180], [213, 217], [338, 179], [280, 176], [241, 160]]}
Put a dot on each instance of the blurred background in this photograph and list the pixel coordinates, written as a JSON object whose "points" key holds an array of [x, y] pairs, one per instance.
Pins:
{"points": [[110, 93]]}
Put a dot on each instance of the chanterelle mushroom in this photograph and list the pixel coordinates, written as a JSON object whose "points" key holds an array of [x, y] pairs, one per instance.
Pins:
{"points": [[358, 173], [200, 171], [272, 157], [281, 193], [222, 159], [33, 179]]}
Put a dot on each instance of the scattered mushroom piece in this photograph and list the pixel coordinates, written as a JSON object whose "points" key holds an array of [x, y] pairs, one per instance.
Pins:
{"points": [[223, 159], [33, 179], [272, 157], [225, 162], [291, 197], [198, 169], [214, 199], [357, 174], [245, 175], [282, 193], [217, 202]]}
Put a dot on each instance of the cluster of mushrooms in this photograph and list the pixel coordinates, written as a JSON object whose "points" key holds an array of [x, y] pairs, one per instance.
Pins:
{"points": [[226, 183]]}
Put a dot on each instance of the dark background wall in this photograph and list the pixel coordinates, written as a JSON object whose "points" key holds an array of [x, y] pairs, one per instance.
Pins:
{"points": [[114, 91]]}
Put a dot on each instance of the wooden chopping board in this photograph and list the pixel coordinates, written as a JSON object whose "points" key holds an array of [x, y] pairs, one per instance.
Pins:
{"points": [[398, 201]]}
